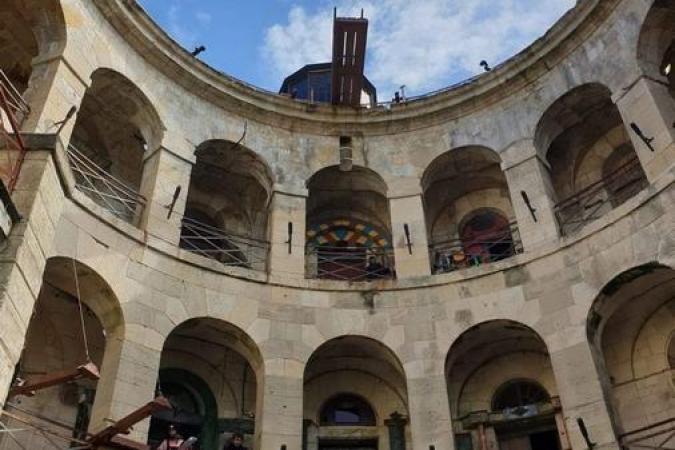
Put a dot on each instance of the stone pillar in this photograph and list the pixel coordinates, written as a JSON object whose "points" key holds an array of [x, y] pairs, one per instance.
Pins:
{"points": [[582, 396], [163, 172], [128, 379], [287, 259], [39, 199], [279, 419], [53, 89], [649, 105], [430, 421], [411, 261], [396, 426], [526, 172]]}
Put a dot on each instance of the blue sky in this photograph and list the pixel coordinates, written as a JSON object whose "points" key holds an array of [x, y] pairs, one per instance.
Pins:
{"points": [[423, 44]]}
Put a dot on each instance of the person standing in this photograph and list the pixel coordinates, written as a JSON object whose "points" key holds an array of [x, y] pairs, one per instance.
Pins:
{"points": [[173, 440], [236, 442]]}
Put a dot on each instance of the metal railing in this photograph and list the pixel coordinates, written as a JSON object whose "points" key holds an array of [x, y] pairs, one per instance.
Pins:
{"points": [[657, 436], [455, 254], [226, 248], [13, 110], [594, 201], [103, 188], [350, 263]]}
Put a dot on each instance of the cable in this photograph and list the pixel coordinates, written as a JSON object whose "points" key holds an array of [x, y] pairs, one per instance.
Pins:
{"points": [[81, 309]]}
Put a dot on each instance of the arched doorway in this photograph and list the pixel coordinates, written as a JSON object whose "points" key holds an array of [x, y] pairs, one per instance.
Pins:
{"points": [[469, 216], [116, 127], [209, 370], [502, 389], [355, 397], [630, 328], [594, 167], [348, 226], [195, 411], [228, 205], [61, 337]]}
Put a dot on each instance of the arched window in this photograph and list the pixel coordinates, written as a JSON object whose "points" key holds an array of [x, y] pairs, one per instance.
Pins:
{"points": [[347, 410], [519, 394]]}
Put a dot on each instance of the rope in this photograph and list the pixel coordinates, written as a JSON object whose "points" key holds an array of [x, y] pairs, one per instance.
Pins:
{"points": [[79, 305]]}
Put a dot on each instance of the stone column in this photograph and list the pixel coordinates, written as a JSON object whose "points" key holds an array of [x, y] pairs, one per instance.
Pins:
{"points": [[54, 88], [38, 197], [164, 171], [287, 232], [582, 396], [411, 261], [279, 419], [128, 379], [396, 426], [648, 105], [526, 172], [430, 420]]}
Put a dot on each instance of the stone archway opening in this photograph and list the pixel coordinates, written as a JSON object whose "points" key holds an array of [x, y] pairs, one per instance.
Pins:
{"points": [[502, 389], [656, 48], [355, 397], [348, 226], [116, 128], [594, 166], [209, 371], [469, 216], [55, 343], [228, 206], [630, 329], [28, 29]]}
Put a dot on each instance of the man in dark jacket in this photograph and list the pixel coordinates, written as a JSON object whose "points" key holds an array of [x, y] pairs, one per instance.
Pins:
{"points": [[236, 443]]}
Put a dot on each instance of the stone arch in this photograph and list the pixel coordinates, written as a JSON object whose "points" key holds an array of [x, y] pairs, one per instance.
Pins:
{"points": [[31, 29], [576, 135], [456, 185], [232, 186], [117, 126], [656, 45], [358, 366], [229, 364], [55, 342], [348, 224], [482, 360], [629, 327]]}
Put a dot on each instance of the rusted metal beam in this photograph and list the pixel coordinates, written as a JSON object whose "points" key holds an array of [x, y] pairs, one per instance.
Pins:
{"points": [[125, 424], [32, 385]]}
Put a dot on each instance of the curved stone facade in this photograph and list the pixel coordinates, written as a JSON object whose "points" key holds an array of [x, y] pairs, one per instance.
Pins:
{"points": [[193, 214]]}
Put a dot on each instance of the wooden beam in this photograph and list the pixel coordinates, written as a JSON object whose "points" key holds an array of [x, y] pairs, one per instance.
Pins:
{"points": [[124, 425], [34, 384]]}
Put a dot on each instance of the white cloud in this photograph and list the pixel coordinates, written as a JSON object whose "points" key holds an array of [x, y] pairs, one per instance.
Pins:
{"points": [[424, 44]]}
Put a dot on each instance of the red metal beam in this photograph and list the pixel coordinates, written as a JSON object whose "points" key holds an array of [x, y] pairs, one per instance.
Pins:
{"points": [[349, 55], [88, 371], [124, 425]]}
